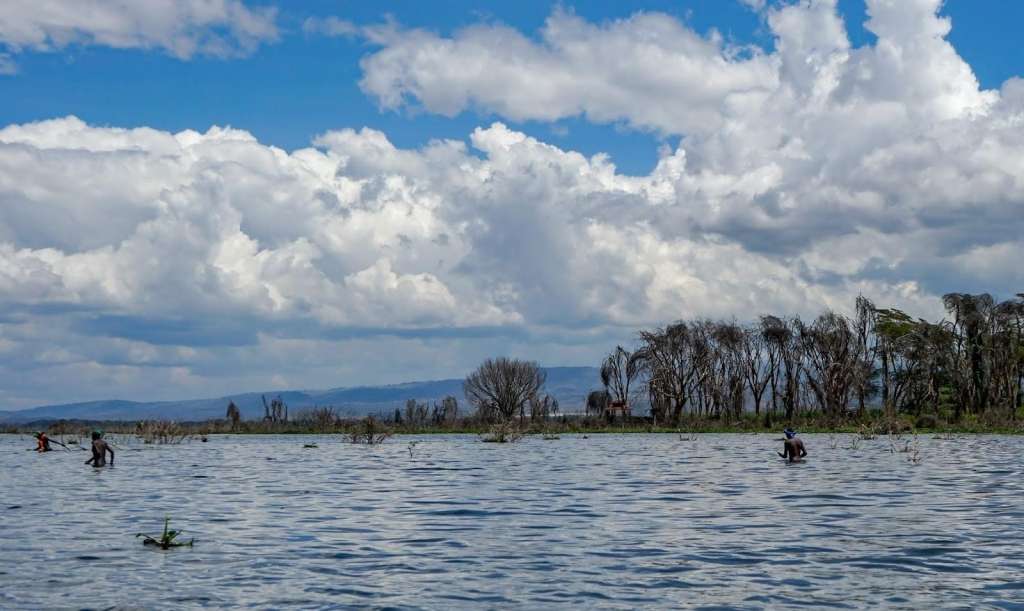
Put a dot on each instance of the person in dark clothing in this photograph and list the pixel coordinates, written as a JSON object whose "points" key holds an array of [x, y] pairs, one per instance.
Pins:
{"points": [[792, 447], [99, 451]]}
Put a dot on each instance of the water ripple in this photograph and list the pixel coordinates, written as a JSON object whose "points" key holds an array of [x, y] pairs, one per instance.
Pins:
{"points": [[605, 522]]}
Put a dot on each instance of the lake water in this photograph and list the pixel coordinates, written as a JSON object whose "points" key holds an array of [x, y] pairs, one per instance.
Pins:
{"points": [[613, 521]]}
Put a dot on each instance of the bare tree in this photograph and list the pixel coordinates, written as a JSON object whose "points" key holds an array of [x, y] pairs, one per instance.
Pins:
{"points": [[541, 408], [416, 413], [756, 370], [321, 419], [785, 353], [501, 388], [445, 412], [864, 324], [672, 359], [618, 372], [830, 349], [275, 411]]}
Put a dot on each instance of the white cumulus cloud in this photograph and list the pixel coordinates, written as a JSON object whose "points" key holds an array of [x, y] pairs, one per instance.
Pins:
{"points": [[806, 176], [181, 28]]}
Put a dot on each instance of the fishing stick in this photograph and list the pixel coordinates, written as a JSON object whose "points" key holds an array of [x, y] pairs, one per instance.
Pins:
{"points": [[60, 444]]}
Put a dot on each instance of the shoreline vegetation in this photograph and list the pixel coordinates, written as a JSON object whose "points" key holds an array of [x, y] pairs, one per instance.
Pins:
{"points": [[361, 429], [878, 372]]}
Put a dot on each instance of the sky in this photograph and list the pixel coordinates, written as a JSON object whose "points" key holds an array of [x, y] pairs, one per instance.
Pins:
{"points": [[201, 197]]}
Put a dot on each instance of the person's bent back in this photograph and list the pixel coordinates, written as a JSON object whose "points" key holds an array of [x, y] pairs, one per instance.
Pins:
{"points": [[99, 451], [793, 447]]}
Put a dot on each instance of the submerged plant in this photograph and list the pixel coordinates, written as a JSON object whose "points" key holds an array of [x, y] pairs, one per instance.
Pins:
{"points": [[161, 432], [167, 539], [369, 432], [913, 451], [503, 432]]}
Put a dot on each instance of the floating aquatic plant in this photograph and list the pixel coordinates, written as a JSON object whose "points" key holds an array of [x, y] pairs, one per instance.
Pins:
{"points": [[167, 539]]}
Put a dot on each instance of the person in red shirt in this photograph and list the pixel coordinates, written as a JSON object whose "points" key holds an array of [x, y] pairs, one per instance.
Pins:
{"points": [[42, 442]]}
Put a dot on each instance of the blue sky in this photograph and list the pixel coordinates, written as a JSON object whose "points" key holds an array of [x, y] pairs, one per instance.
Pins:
{"points": [[288, 92], [405, 191]]}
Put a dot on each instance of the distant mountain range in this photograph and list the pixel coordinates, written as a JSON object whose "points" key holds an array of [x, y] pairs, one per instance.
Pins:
{"points": [[569, 385]]}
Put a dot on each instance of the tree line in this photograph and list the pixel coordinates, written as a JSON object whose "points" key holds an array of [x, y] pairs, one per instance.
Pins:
{"points": [[971, 362]]}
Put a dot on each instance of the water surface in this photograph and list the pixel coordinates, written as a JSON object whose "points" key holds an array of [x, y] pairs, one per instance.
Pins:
{"points": [[613, 521]]}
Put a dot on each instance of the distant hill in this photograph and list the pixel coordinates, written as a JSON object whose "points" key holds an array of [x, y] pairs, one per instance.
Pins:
{"points": [[569, 385]]}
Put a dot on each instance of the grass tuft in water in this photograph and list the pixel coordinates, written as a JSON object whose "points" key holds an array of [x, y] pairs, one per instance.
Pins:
{"points": [[167, 539]]}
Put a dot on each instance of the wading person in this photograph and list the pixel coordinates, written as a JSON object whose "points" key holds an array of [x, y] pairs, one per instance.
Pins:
{"points": [[792, 447], [42, 442], [99, 451]]}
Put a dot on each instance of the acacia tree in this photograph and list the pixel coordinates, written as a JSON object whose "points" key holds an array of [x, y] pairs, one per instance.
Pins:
{"points": [[670, 358], [784, 352], [1008, 355], [500, 388], [727, 352], [757, 372], [972, 333], [830, 350], [891, 327], [864, 324]]}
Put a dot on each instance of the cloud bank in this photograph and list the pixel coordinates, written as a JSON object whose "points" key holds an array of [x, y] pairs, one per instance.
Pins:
{"points": [[180, 28], [140, 259]]}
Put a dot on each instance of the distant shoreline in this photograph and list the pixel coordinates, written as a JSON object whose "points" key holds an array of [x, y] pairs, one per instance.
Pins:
{"points": [[868, 428]]}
